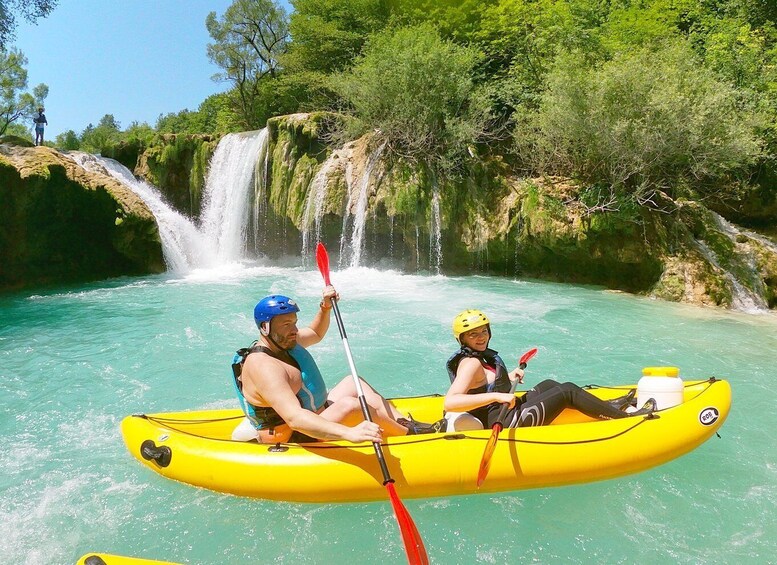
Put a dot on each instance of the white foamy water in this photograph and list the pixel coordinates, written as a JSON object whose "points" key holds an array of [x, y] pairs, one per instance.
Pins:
{"points": [[355, 244], [229, 187]]}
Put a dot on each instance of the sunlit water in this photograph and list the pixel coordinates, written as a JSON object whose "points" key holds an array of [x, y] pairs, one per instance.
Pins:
{"points": [[75, 361]]}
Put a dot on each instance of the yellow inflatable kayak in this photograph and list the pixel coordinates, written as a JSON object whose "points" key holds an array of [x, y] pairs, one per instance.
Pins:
{"points": [[108, 559], [196, 448]]}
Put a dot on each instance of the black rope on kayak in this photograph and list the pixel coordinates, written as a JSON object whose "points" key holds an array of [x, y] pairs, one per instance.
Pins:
{"points": [[583, 441], [460, 436], [189, 421], [686, 384]]}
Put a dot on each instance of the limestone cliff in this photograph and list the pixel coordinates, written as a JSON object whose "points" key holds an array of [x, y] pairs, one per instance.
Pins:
{"points": [[177, 165], [60, 223], [490, 221]]}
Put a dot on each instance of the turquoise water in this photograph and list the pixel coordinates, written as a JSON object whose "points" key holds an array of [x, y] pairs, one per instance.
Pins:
{"points": [[75, 361]]}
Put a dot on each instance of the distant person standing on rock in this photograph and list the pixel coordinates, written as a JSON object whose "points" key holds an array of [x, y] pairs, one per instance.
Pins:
{"points": [[40, 121]]}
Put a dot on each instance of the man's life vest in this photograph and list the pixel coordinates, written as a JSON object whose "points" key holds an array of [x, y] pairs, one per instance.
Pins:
{"points": [[312, 394]]}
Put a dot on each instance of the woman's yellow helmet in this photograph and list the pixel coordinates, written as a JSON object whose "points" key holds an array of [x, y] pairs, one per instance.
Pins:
{"points": [[468, 320]]}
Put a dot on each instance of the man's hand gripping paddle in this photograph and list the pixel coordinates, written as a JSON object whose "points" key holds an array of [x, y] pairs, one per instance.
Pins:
{"points": [[485, 462], [414, 545]]}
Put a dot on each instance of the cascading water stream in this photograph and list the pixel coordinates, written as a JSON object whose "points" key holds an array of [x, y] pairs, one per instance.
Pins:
{"points": [[435, 233], [742, 298], [228, 189], [314, 207], [183, 246], [261, 177], [221, 237], [360, 211]]}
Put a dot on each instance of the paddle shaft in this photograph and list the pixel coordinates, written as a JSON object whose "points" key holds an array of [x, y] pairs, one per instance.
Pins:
{"points": [[485, 462], [504, 408], [360, 391]]}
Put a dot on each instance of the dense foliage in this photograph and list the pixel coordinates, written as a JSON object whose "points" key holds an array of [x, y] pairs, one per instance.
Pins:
{"points": [[417, 91], [631, 98]]}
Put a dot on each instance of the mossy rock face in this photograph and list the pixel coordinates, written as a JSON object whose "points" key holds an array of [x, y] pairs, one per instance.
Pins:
{"points": [[16, 140], [489, 221], [296, 154], [60, 223], [125, 152], [177, 165]]}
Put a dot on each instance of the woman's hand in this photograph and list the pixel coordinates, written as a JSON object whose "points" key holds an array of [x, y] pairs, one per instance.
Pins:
{"points": [[505, 398], [517, 374]]}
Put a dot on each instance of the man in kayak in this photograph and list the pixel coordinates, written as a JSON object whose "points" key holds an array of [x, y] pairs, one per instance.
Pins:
{"points": [[481, 383], [284, 396]]}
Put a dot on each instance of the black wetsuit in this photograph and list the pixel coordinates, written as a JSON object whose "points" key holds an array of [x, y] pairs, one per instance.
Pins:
{"points": [[539, 406]]}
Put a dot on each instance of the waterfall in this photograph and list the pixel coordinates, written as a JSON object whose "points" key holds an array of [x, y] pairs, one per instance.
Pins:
{"points": [[435, 233], [228, 187], [261, 176], [221, 237], [360, 209], [314, 206], [183, 246], [742, 298]]}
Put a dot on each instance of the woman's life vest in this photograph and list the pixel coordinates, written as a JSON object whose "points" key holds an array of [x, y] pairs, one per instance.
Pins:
{"points": [[489, 358], [312, 394]]}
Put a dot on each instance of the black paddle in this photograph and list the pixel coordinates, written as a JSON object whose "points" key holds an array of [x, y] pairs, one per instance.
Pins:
{"points": [[414, 545], [485, 462]]}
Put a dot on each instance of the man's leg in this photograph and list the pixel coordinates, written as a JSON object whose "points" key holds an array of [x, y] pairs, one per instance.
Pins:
{"points": [[383, 411]]}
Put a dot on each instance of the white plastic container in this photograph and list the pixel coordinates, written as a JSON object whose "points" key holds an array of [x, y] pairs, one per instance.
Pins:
{"points": [[662, 383]]}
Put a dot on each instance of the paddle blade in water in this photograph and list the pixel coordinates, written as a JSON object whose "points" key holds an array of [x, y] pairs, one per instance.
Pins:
{"points": [[322, 258], [485, 462], [414, 545]]}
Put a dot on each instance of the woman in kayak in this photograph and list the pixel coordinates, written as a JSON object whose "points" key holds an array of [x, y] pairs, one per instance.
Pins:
{"points": [[480, 385]]}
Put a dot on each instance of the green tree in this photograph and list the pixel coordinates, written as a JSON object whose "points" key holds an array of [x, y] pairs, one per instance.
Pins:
{"points": [[328, 37], [457, 20], [416, 90], [68, 141], [330, 34], [107, 132], [15, 104], [646, 121], [30, 10], [248, 41]]}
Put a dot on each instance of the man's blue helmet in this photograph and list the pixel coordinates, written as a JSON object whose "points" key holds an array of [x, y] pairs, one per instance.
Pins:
{"points": [[274, 305]]}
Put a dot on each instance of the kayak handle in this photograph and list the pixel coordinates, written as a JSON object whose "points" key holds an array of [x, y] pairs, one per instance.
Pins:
{"points": [[160, 455]]}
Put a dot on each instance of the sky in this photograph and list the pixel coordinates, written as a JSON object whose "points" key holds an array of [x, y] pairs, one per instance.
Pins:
{"points": [[135, 59]]}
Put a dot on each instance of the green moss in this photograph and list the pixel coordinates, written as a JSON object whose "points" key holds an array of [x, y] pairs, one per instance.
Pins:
{"points": [[177, 165], [60, 224]]}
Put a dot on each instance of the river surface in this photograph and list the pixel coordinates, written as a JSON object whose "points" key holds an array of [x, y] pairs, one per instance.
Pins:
{"points": [[75, 360]]}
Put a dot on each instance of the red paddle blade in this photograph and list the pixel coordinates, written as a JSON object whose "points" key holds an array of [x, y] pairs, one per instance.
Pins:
{"points": [[525, 357], [322, 258], [414, 545], [485, 462]]}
